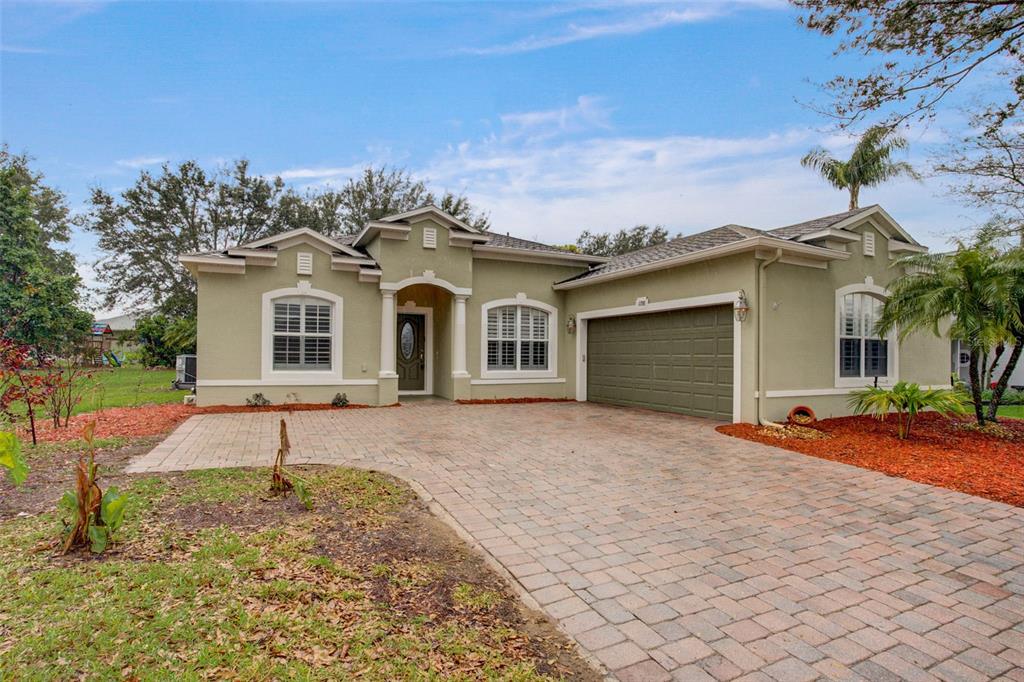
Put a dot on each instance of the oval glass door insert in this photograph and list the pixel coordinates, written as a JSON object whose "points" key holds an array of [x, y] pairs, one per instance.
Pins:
{"points": [[408, 340]]}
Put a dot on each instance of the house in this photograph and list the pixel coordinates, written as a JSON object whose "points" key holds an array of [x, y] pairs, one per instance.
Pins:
{"points": [[734, 323]]}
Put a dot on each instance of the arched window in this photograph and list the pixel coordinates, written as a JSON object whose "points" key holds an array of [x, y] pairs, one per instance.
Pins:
{"points": [[302, 333], [862, 353], [518, 340]]}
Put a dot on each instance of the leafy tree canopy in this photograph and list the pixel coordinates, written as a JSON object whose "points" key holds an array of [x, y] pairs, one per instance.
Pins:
{"points": [[870, 164], [187, 209], [39, 287], [623, 241], [928, 48]]}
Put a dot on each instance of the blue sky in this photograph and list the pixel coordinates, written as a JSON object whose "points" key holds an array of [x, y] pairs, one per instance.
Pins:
{"points": [[554, 118]]}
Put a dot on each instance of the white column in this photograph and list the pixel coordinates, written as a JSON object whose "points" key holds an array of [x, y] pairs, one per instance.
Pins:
{"points": [[387, 335], [459, 331]]}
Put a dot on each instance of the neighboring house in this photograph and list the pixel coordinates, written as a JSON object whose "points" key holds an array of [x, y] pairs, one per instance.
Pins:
{"points": [[123, 328], [421, 303], [960, 365]]}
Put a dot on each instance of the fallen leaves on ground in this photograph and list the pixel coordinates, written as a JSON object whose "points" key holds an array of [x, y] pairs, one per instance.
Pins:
{"points": [[940, 451]]}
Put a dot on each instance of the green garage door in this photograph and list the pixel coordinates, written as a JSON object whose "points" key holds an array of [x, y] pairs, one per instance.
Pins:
{"points": [[678, 361]]}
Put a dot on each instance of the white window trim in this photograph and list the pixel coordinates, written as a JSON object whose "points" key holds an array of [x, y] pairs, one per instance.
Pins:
{"points": [[428, 346], [731, 297], [270, 375], [893, 341], [553, 331]]}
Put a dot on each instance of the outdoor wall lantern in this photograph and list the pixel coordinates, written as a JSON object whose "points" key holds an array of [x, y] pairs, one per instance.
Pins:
{"points": [[741, 306], [570, 324]]}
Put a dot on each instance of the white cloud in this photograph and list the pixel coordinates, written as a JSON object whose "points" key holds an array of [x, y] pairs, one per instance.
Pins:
{"points": [[141, 161], [324, 173], [628, 25], [586, 114], [553, 191]]}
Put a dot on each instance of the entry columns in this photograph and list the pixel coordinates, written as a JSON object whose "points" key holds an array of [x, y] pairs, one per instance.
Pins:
{"points": [[387, 335], [459, 347]]}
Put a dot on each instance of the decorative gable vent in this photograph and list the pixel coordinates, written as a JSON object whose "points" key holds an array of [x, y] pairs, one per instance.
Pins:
{"points": [[429, 238], [869, 243], [304, 266]]}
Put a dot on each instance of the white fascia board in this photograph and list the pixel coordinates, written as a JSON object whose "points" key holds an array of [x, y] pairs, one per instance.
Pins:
{"points": [[433, 211], [900, 247], [531, 256], [877, 212], [385, 230], [831, 233], [749, 244], [370, 275], [234, 266], [304, 233]]}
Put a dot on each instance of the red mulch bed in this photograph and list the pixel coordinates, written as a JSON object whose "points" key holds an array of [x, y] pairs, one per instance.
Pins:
{"points": [[513, 401], [940, 452], [152, 420]]}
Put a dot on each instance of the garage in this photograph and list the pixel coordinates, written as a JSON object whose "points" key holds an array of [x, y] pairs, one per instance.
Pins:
{"points": [[675, 361]]}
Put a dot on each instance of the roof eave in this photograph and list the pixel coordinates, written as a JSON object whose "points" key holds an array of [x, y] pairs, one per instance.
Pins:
{"points": [[566, 256], [740, 246]]}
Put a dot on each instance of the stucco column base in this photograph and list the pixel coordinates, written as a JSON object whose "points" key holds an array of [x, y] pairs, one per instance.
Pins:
{"points": [[387, 390], [460, 388]]}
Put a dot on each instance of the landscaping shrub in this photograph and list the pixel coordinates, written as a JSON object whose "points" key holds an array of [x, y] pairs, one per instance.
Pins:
{"points": [[257, 400], [96, 515], [339, 400], [907, 400], [11, 459], [161, 339]]}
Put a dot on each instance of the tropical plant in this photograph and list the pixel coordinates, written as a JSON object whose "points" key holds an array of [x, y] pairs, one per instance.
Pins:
{"points": [[282, 481], [339, 400], [870, 164], [968, 290], [11, 458], [257, 400], [907, 401], [95, 515]]}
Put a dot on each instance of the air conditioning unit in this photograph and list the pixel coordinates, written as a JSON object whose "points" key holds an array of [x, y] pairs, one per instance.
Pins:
{"points": [[184, 372]]}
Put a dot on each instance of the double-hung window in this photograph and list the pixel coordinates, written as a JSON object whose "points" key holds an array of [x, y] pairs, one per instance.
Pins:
{"points": [[302, 334], [517, 338], [862, 354]]}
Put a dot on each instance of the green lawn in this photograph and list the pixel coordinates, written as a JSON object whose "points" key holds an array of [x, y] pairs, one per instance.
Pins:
{"points": [[1015, 411], [128, 387]]}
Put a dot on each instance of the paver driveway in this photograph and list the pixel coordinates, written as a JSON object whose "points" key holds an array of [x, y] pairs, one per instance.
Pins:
{"points": [[666, 549]]}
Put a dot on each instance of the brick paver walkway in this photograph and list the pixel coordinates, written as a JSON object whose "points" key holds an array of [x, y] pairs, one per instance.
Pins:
{"points": [[667, 550]]}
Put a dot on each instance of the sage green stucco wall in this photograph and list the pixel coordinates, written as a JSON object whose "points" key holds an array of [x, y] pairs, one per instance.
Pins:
{"points": [[503, 279], [229, 329], [403, 258], [801, 343], [723, 275]]}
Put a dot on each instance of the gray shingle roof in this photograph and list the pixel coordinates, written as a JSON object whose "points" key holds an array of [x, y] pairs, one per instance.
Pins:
{"points": [[798, 230], [504, 241], [719, 236]]}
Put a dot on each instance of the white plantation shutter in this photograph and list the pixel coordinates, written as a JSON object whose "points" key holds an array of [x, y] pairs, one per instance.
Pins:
{"points": [[517, 338], [302, 337]]}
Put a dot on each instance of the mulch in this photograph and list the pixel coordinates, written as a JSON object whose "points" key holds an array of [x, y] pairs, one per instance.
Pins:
{"points": [[152, 420], [941, 451]]}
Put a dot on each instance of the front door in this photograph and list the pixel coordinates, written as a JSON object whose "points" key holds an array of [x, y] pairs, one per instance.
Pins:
{"points": [[411, 353]]}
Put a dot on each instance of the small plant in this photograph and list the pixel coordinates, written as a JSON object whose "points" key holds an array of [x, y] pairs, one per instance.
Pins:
{"points": [[96, 515], [339, 400], [68, 384], [906, 400], [281, 482], [11, 459], [257, 400]]}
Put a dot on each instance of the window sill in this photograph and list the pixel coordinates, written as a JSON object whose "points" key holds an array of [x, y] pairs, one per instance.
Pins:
{"points": [[519, 374], [865, 382], [520, 380]]}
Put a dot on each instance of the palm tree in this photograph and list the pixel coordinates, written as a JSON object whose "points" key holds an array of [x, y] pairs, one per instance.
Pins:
{"points": [[970, 289], [868, 166]]}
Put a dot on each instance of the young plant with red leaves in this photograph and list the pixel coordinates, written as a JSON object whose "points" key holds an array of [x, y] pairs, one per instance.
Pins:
{"points": [[25, 379]]}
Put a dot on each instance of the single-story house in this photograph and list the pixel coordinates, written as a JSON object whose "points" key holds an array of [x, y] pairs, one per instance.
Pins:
{"points": [[734, 323]]}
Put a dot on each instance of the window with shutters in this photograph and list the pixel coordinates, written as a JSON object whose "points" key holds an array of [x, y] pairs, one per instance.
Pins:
{"points": [[862, 355], [302, 333], [518, 339]]}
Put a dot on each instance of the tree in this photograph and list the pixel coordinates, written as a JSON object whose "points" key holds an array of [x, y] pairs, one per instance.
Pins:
{"points": [[39, 294], [927, 49], [990, 167], [162, 339], [973, 288], [380, 192], [870, 164], [187, 209], [623, 241]]}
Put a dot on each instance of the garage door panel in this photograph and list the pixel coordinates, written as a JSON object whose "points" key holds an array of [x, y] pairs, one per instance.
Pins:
{"points": [[678, 361]]}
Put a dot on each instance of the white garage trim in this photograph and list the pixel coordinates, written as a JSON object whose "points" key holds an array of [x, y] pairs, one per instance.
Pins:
{"points": [[642, 307]]}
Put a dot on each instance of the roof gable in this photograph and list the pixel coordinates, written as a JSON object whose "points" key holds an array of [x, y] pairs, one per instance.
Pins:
{"points": [[820, 227], [303, 235]]}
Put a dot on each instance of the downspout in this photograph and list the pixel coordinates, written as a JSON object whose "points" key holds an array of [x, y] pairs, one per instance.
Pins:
{"points": [[760, 338]]}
